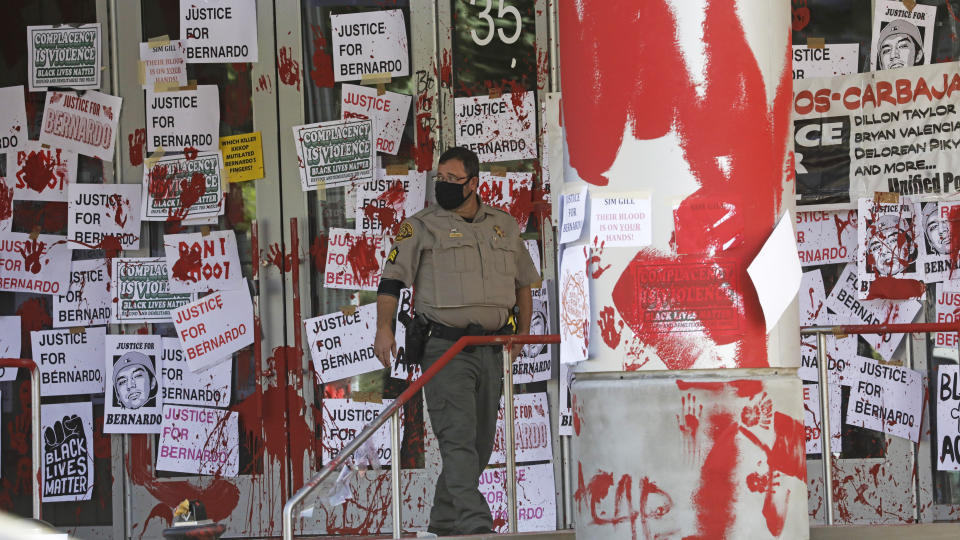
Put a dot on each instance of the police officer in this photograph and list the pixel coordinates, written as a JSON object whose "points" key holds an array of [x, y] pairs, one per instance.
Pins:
{"points": [[469, 269]]}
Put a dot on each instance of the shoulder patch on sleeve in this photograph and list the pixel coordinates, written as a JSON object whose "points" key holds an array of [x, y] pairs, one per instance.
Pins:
{"points": [[392, 256], [406, 231]]}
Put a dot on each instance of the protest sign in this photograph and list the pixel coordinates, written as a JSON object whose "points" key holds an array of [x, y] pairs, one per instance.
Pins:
{"points": [[9, 344], [565, 415], [573, 208], [933, 225], [812, 414], [947, 436], [43, 174], [887, 242], [882, 131], [334, 153], [832, 60], [219, 31], [532, 440], [98, 211], [183, 119], [69, 362], [901, 37], [354, 260], [621, 221], [826, 237], [497, 129], [886, 398], [369, 43], [39, 265], [399, 367], [208, 387], [344, 419], [536, 500], [947, 310], [163, 65], [840, 350], [384, 202], [13, 119], [83, 124], [850, 310], [215, 326], [574, 305], [87, 300], [242, 157], [341, 343], [134, 402], [177, 188], [510, 193], [64, 56], [388, 112], [197, 440], [535, 361], [198, 263], [811, 299], [534, 250], [143, 291], [67, 451]]}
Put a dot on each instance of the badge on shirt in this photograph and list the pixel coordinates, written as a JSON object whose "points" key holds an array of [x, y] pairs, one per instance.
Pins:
{"points": [[406, 231], [455, 234], [392, 256], [498, 230]]}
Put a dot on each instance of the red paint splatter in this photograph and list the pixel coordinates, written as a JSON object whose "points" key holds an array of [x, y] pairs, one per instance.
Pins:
{"points": [[387, 209], [39, 170], [576, 415], [800, 17], [47, 217], [111, 246], [715, 495], [609, 329], [6, 201], [34, 315], [190, 153], [137, 143], [276, 257], [689, 421], [288, 69], [191, 190], [187, 267], [446, 69], [318, 252], [423, 151], [120, 206], [362, 257], [31, 251], [594, 266], [654, 96], [322, 71], [746, 388], [883, 287]]}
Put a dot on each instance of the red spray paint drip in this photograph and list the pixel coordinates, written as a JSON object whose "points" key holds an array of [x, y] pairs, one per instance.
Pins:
{"points": [[609, 330], [446, 69], [6, 201], [318, 252], [322, 71], [120, 206], [137, 142], [423, 151], [288, 69], [39, 171], [362, 257]]}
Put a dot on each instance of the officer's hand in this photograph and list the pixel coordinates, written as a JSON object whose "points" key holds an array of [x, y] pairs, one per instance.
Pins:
{"points": [[384, 345], [515, 352]]}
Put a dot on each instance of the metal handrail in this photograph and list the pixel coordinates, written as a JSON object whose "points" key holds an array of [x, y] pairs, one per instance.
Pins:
{"points": [[28, 364], [393, 411], [842, 330]]}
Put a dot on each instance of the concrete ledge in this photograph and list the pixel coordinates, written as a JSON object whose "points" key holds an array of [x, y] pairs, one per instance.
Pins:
{"points": [[922, 531]]}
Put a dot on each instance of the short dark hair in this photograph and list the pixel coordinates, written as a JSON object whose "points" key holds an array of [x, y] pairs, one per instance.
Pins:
{"points": [[471, 163]]}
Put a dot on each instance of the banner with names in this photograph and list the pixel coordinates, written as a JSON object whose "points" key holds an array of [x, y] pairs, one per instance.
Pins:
{"points": [[143, 291], [70, 363], [197, 440], [134, 402], [67, 461], [84, 124], [208, 387], [64, 56]]}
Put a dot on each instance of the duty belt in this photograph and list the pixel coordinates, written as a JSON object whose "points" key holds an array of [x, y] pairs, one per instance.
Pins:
{"points": [[453, 334]]}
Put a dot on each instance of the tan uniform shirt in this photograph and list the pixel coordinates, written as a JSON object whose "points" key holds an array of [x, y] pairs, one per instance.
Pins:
{"points": [[462, 272]]}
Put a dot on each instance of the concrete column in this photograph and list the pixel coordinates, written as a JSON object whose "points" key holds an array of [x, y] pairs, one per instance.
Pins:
{"points": [[687, 102]]}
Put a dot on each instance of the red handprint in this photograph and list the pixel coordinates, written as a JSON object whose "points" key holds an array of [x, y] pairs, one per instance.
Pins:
{"points": [[137, 141], [758, 413], [31, 251], [689, 421], [594, 259]]}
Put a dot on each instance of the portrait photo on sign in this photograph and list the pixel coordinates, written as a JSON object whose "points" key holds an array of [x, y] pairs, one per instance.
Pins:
{"points": [[901, 37], [933, 222], [134, 381], [888, 241]]}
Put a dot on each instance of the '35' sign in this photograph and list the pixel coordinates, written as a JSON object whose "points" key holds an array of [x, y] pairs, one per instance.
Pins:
{"points": [[502, 12]]}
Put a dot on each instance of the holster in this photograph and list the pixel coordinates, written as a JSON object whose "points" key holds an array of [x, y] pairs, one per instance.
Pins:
{"points": [[416, 338]]}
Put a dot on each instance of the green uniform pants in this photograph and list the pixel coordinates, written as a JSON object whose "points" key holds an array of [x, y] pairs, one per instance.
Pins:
{"points": [[463, 400]]}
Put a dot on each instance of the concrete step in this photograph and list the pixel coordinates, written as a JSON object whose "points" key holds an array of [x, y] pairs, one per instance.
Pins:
{"points": [[566, 534]]}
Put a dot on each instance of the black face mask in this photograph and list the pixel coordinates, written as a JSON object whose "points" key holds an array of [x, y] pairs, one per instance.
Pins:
{"points": [[449, 196]]}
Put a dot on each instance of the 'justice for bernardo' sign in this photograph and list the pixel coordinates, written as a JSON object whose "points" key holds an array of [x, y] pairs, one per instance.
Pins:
{"points": [[343, 419], [209, 387], [354, 260], [341, 344], [133, 402], [96, 211], [70, 363], [184, 119], [64, 57], [38, 265], [196, 440], [84, 124], [498, 129], [388, 112], [368, 43], [214, 327], [87, 301], [219, 31]]}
